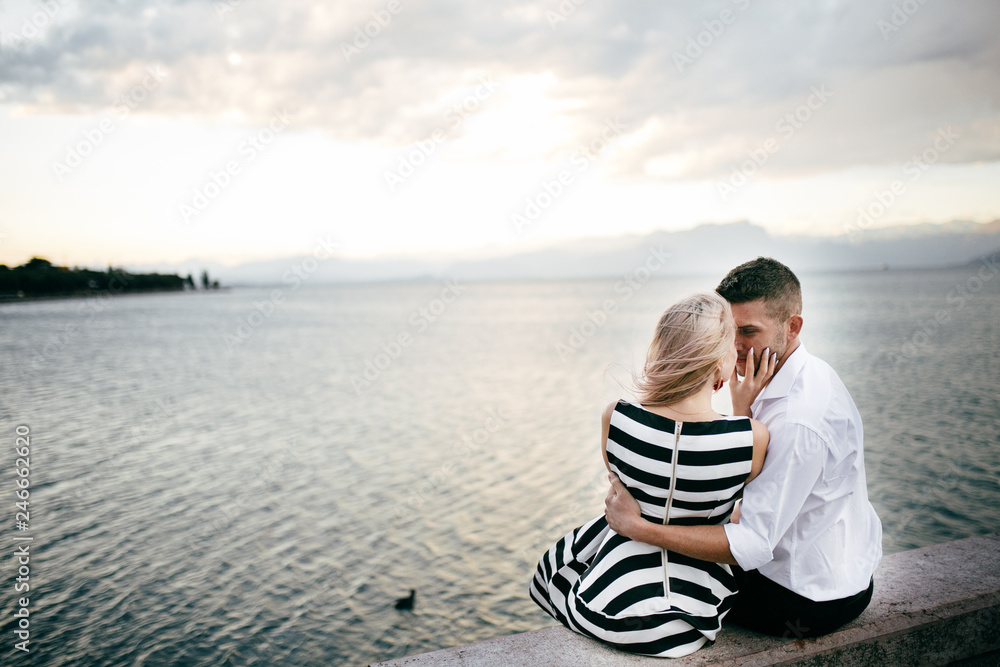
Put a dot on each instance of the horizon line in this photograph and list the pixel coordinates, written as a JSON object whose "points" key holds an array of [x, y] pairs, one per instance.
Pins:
{"points": [[486, 252]]}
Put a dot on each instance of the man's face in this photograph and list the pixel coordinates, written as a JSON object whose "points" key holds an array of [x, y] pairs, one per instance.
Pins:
{"points": [[758, 330], [729, 362]]}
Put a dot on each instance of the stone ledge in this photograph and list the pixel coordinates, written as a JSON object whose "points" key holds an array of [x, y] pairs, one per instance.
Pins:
{"points": [[932, 606]]}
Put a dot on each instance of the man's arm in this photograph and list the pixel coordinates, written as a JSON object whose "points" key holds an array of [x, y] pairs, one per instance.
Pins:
{"points": [[707, 543]]}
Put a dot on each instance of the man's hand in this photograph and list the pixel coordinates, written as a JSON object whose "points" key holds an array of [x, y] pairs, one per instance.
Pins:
{"points": [[735, 516], [707, 543], [754, 381], [622, 510]]}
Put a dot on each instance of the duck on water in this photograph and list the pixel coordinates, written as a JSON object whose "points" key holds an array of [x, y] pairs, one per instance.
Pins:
{"points": [[407, 602]]}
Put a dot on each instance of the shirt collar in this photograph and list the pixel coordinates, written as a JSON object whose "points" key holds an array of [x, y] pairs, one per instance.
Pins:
{"points": [[781, 384]]}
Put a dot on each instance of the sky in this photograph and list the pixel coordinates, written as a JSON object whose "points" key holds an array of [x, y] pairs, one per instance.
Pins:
{"points": [[238, 130]]}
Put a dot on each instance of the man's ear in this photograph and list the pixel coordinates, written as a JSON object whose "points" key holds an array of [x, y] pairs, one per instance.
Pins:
{"points": [[794, 327]]}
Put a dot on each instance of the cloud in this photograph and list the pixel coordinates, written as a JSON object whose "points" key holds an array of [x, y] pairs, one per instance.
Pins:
{"points": [[700, 86]]}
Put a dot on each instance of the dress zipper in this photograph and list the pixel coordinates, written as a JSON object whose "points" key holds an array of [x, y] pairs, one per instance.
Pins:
{"points": [[670, 500]]}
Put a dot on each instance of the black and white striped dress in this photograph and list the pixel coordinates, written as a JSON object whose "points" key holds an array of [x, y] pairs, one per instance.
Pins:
{"points": [[632, 595]]}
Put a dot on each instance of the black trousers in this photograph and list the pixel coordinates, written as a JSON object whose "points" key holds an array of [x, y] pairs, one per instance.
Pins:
{"points": [[764, 606]]}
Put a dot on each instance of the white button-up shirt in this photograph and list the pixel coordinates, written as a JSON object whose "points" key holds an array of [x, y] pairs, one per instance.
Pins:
{"points": [[806, 521]]}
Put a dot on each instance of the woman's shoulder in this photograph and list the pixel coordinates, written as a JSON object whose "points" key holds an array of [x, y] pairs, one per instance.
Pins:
{"points": [[760, 432], [735, 418], [623, 405], [721, 424], [638, 412], [731, 422], [745, 423]]}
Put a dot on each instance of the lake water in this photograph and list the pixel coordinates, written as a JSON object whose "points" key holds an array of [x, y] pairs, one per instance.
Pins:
{"points": [[214, 486]]}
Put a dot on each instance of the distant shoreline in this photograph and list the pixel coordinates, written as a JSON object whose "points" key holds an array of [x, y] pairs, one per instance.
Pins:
{"points": [[5, 299], [38, 279]]}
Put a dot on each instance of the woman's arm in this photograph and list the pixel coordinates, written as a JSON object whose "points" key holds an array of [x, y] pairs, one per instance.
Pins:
{"points": [[605, 428], [760, 440]]}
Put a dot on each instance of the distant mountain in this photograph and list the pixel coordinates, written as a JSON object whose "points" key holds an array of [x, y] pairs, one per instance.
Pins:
{"points": [[706, 249], [955, 227], [990, 259]]}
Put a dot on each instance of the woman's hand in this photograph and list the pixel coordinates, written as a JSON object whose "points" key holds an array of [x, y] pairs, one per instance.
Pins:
{"points": [[622, 510], [754, 381]]}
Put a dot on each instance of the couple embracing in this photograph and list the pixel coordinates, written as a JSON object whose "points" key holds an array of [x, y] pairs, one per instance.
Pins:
{"points": [[677, 550]]}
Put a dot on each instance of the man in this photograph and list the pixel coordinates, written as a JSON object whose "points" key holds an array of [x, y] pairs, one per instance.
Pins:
{"points": [[806, 540]]}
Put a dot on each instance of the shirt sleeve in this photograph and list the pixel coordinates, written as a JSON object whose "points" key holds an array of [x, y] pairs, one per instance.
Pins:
{"points": [[773, 500]]}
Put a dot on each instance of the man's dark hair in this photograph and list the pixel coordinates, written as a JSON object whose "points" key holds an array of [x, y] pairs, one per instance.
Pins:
{"points": [[767, 279]]}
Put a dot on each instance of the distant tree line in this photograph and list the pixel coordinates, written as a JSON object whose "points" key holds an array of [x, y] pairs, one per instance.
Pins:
{"points": [[39, 277]]}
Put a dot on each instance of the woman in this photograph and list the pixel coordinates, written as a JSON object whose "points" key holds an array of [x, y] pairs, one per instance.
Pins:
{"points": [[684, 464]]}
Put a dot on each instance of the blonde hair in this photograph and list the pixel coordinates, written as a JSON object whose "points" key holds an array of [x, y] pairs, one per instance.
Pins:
{"points": [[692, 338]]}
